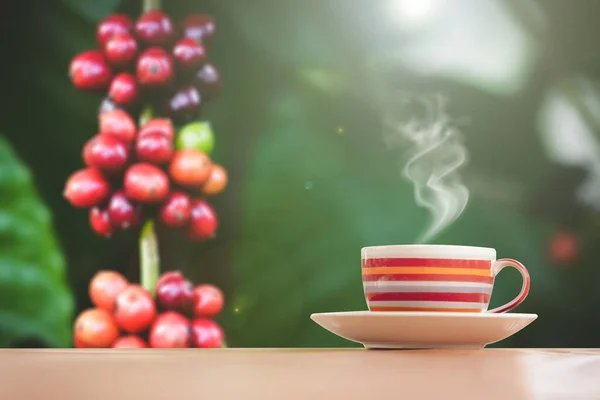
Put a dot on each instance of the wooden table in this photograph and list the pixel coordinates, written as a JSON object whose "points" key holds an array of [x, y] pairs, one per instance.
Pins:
{"points": [[572, 374]]}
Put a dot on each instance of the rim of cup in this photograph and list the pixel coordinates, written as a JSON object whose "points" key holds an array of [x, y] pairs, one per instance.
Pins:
{"points": [[429, 251]]}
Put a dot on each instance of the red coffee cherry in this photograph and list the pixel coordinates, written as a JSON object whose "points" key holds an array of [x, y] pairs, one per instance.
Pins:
{"points": [[123, 213], [100, 222], [86, 188], [123, 89], [155, 28], [95, 328], [189, 54], [170, 330], [146, 183], [199, 27], [174, 292], [184, 105], [208, 301], [106, 152], [154, 68], [216, 182], [206, 334], [118, 123], [190, 168], [162, 126], [154, 148], [89, 71], [175, 211], [203, 221], [112, 25], [134, 309], [120, 49], [104, 288]]}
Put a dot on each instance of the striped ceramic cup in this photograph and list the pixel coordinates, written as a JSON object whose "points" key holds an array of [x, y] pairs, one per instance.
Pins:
{"points": [[434, 278]]}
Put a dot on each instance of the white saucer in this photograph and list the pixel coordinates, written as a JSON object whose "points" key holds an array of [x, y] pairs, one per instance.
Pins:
{"points": [[423, 330]]}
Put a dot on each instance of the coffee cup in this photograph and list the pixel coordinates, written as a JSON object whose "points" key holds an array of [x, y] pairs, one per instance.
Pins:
{"points": [[430, 278]]}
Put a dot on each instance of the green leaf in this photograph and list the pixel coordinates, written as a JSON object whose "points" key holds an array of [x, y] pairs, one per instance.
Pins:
{"points": [[34, 299], [93, 10]]}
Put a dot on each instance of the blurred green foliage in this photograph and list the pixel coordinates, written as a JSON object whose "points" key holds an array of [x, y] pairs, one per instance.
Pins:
{"points": [[34, 298], [92, 9], [298, 126]]}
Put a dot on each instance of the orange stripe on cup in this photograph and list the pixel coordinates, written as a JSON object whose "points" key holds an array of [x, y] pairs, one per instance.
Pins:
{"points": [[427, 277]]}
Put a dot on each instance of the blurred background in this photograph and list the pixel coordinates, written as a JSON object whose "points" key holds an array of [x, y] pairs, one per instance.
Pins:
{"points": [[311, 97]]}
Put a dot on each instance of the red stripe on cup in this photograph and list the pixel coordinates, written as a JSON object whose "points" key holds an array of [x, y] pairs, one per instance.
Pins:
{"points": [[431, 296], [428, 277], [421, 309], [426, 262]]}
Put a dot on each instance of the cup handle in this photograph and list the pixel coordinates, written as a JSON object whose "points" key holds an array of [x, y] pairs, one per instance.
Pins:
{"points": [[498, 266]]}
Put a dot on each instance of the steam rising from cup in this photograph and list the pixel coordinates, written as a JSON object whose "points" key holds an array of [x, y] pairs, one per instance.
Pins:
{"points": [[435, 154]]}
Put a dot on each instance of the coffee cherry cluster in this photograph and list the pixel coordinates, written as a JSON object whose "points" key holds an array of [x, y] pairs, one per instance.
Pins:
{"points": [[163, 168], [127, 316], [131, 174], [150, 61]]}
